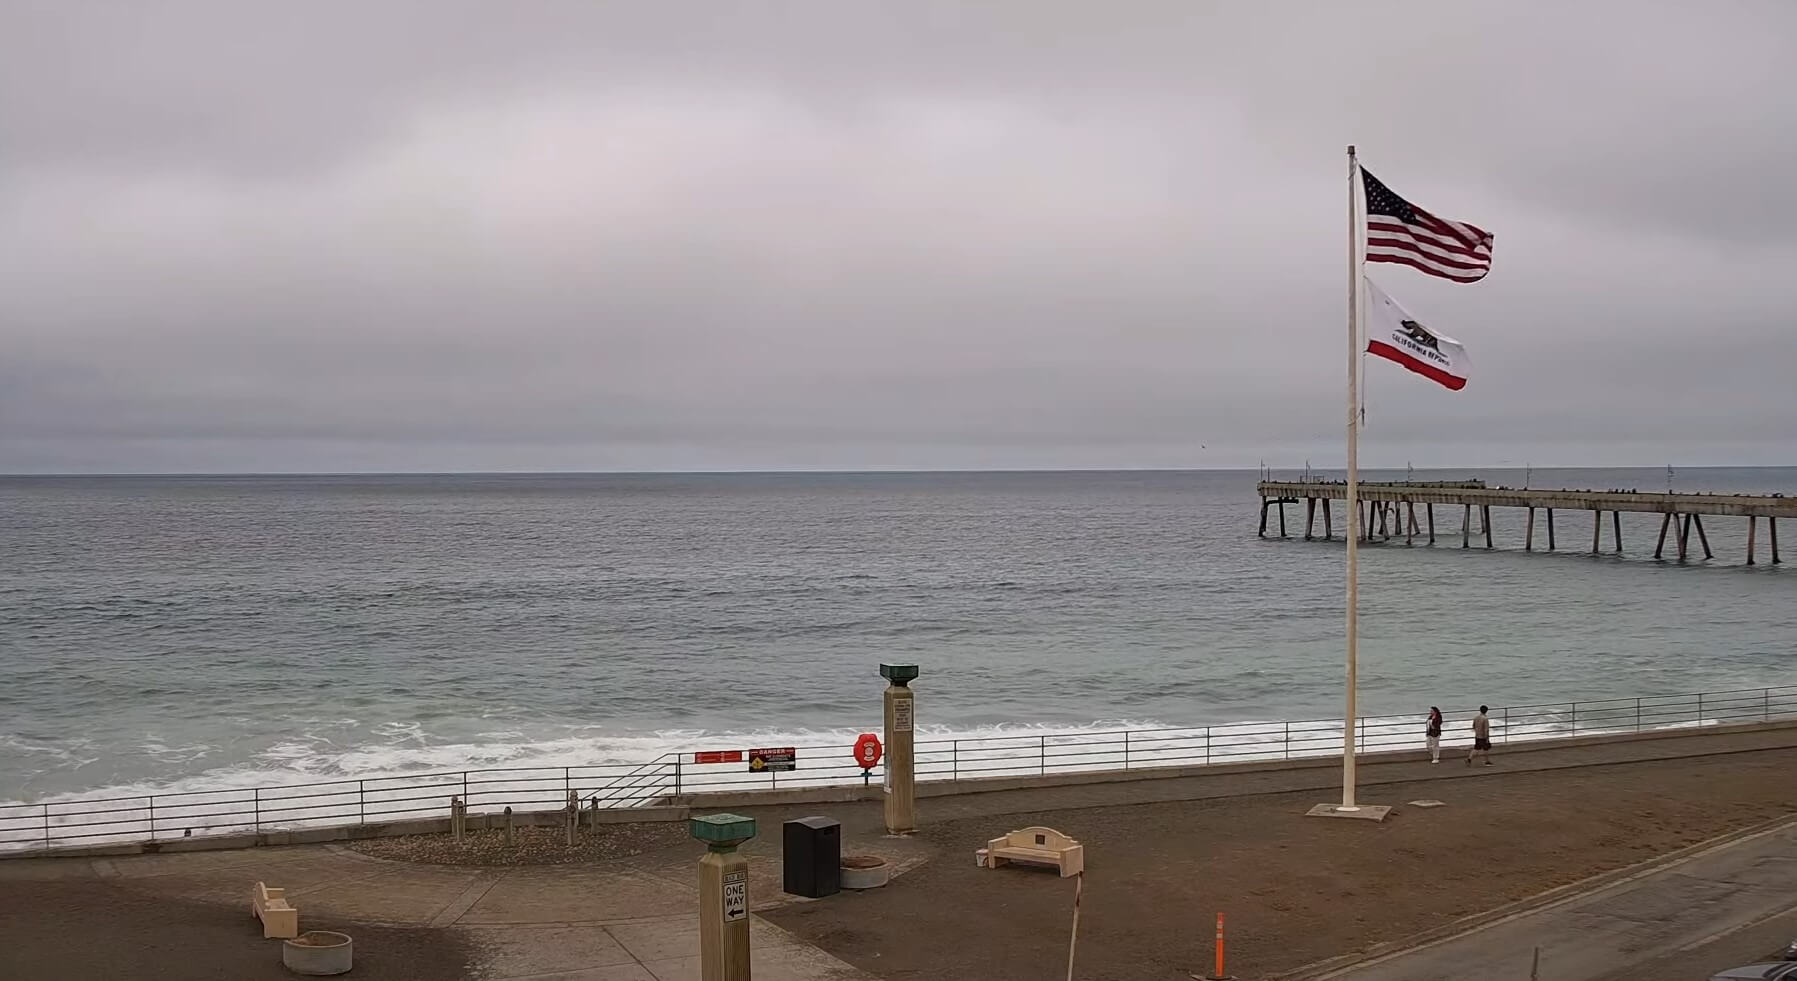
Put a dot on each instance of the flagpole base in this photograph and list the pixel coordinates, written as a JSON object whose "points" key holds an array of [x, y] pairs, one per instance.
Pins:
{"points": [[1362, 812]]}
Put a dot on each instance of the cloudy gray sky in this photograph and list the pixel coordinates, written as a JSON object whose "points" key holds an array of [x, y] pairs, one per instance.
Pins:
{"points": [[448, 235]]}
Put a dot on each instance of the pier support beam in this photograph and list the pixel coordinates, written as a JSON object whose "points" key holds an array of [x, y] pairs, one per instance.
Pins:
{"points": [[1697, 522], [1282, 517], [1528, 535], [1597, 530], [1466, 527], [1310, 517], [1264, 504], [1328, 532], [1753, 532], [1410, 529], [1772, 526], [1485, 520], [1684, 536], [1616, 529], [1550, 529], [1665, 523], [1431, 509]]}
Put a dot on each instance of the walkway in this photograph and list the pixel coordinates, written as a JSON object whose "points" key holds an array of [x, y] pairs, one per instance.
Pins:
{"points": [[629, 920]]}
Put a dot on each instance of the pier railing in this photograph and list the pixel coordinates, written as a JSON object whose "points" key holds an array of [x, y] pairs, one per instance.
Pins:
{"points": [[50, 824]]}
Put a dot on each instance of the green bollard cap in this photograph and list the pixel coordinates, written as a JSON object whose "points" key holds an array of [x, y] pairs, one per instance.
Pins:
{"points": [[899, 674], [722, 832]]}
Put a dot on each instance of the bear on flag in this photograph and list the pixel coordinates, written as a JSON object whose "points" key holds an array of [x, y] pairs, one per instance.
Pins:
{"points": [[1393, 333]]}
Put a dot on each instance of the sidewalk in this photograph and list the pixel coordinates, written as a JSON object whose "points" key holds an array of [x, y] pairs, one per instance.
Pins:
{"points": [[631, 920]]}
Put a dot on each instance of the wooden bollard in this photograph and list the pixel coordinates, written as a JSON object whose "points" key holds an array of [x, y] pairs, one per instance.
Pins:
{"points": [[508, 825], [572, 816], [458, 818]]}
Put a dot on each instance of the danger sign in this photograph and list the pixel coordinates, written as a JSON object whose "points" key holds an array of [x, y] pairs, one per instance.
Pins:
{"points": [[773, 760], [867, 750]]}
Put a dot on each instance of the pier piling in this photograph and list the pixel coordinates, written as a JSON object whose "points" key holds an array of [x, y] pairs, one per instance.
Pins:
{"points": [[1385, 504]]}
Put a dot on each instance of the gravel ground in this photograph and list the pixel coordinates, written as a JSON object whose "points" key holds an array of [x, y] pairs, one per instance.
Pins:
{"points": [[529, 846], [1295, 889], [85, 930]]}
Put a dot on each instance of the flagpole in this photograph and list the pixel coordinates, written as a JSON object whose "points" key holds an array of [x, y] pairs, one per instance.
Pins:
{"points": [[1353, 491]]}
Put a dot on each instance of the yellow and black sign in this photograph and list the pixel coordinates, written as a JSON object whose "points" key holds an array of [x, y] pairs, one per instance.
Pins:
{"points": [[773, 760]]}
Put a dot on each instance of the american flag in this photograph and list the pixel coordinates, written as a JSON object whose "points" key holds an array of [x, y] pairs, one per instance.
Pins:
{"points": [[1398, 231]]}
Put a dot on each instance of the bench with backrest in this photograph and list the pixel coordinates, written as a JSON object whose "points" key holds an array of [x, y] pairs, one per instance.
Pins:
{"points": [[278, 918], [1036, 846]]}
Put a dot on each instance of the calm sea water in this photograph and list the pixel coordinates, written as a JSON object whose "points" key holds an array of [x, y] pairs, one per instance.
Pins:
{"points": [[225, 631]]}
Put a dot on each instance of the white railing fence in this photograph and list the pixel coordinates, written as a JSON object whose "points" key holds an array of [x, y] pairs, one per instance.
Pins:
{"points": [[379, 800]]}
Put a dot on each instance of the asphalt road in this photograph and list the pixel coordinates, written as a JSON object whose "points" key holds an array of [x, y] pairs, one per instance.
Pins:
{"points": [[1728, 906], [1754, 943]]}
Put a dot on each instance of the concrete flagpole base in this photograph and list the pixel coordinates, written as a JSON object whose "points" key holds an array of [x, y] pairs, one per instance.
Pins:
{"points": [[1361, 812]]}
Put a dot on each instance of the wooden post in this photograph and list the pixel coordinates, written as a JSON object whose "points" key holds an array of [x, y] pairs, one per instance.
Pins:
{"points": [[1616, 529], [1665, 523], [508, 826], [1264, 504], [1703, 539], [1430, 509], [1328, 522], [572, 818], [1597, 530], [1550, 529], [1410, 529], [1772, 527], [1310, 517], [1384, 514], [1485, 519], [1282, 517], [1528, 535], [1466, 527], [1753, 531], [1684, 535]]}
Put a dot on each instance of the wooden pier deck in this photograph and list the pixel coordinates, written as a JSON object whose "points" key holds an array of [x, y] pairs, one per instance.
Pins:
{"points": [[1389, 510]]}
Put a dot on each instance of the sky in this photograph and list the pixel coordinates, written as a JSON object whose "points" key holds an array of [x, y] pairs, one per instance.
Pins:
{"points": [[445, 235]]}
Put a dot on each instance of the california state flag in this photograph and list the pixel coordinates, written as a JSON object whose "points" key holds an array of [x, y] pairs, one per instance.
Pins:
{"points": [[1392, 333]]}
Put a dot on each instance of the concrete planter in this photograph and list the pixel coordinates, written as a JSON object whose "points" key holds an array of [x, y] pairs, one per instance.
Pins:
{"points": [[318, 953], [865, 872]]}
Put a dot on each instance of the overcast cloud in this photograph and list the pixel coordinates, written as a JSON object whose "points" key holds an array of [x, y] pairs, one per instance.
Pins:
{"points": [[448, 235]]}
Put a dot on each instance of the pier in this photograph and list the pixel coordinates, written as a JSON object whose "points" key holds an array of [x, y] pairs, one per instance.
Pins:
{"points": [[1391, 509]]}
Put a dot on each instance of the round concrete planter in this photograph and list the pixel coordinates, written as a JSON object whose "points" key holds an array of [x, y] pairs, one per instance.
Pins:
{"points": [[318, 953], [865, 872]]}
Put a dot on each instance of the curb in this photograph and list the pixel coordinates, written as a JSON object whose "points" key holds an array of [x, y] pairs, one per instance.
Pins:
{"points": [[1335, 966]]}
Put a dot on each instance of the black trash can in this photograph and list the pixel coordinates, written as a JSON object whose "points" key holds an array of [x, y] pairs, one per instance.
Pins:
{"points": [[811, 853]]}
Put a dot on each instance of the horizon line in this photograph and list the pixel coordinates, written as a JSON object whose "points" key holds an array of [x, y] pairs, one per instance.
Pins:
{"points": [[828, 471]]}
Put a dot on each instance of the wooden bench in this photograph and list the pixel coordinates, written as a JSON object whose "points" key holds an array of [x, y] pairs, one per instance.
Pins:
{"points": [[1035, 846], [278, 918]]}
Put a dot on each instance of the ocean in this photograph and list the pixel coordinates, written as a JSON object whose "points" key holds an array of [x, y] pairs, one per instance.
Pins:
{"points": [[175, 633]]}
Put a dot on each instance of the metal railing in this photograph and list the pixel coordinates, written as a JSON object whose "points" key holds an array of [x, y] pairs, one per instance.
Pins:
{"points": [[377, 800]]}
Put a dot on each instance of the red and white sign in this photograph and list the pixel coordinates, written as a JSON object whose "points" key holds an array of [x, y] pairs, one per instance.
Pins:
{"points": [[868, 750], [719, 756]]}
